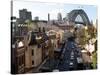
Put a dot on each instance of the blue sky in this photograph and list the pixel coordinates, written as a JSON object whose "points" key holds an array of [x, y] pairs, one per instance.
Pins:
{"points": [[42, 9]]}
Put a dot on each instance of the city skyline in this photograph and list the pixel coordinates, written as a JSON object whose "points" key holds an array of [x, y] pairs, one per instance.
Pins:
{"points": [[49, 37], [42, 9]]}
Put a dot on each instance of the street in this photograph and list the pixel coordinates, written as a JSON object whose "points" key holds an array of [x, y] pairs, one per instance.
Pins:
{"points": [[69, 61], [70, 58]]}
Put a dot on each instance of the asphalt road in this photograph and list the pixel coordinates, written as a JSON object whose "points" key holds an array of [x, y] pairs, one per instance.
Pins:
{"points": [[70, 54], [68, 58]]}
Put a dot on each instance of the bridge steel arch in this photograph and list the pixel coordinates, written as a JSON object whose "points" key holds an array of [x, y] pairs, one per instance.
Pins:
{"points": [[74, 13]]}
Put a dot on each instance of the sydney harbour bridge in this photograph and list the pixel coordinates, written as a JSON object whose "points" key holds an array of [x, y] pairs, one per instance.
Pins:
{"points": [[69, 56], [74, 13]]}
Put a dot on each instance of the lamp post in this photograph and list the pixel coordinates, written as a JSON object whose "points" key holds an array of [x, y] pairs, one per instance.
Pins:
{"points": [[86, 34]]}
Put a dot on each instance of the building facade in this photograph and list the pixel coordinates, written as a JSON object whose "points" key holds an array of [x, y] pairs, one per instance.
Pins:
{"points": [[33, 53], [24, 15], [18, 57]]}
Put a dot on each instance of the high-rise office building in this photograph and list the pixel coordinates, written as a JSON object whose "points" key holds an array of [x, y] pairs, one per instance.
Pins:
{"points": [[59, 17], [48, 17], [36, 18], [24, 15]]}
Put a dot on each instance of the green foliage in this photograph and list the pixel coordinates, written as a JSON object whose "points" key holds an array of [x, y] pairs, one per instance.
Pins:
{"points": [[94, 60], [92, 31], [83, 36]]}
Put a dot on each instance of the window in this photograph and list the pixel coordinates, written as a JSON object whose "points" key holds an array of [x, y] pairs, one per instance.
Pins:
{"points": [[19, 61], [32, 62], [22, 59], [32, 52], [38, 45]]}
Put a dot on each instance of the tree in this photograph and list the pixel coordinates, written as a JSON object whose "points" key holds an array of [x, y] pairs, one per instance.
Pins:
{"points": [[82, 36], [92, 31]]}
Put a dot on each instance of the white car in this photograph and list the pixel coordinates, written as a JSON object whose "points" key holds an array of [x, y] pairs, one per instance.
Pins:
{"points": [[72, 57], [71, 65], [79, 60]]}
